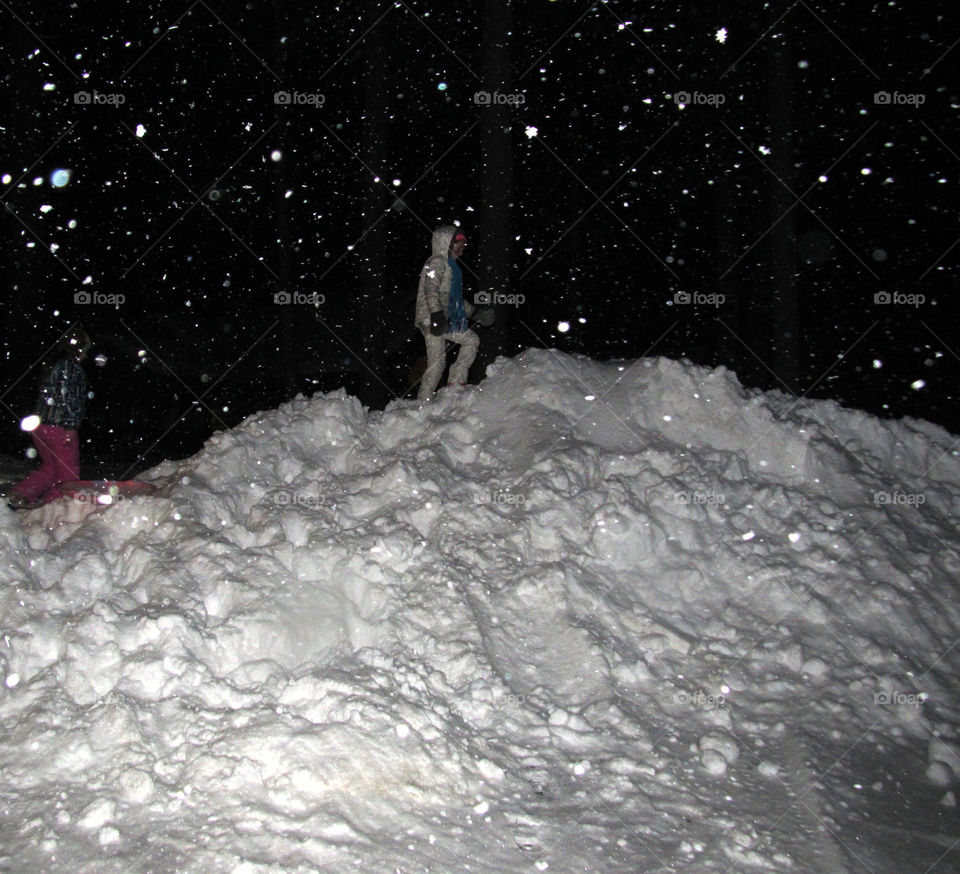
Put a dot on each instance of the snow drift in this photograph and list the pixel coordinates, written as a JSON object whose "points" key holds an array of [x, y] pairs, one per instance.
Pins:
{"points": [[583, 617]]}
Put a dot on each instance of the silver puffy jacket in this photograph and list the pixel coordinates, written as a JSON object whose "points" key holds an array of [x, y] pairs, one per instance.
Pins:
{"points": [[433, 292]]}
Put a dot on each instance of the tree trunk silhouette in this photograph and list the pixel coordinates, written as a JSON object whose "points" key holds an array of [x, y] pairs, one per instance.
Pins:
{"points": [[289, 367], [497, 122], [371, 337], [783, 238]]}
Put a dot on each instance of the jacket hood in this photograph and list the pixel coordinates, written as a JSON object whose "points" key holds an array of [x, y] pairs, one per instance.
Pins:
{"points": [[441, 240]]}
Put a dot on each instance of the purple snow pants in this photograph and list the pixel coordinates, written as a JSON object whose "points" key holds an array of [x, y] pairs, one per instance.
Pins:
{"points": [[59, 451]]}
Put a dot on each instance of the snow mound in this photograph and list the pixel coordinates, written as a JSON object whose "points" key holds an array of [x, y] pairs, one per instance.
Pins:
{"points": [[586, 616]]}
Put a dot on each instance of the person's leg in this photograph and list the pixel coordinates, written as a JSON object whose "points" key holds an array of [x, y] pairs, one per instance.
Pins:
{"points": [[47, 439], [469, 343], [67, 460], [436, 361]]}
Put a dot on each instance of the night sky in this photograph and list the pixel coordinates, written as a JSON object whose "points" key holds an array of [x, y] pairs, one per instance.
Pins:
{"points": [[227, 248]]}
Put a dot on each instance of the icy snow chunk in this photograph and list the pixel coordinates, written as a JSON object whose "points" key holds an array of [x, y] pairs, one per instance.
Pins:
{"points": [[141, 130], [723, 743], [944, 761], [940, 774], [768, 769], [815, 667], [136, 786], [531, 132], [714, 762], [98, 814], [109, 835], [722, 35], [490, 771], [717, 750]]}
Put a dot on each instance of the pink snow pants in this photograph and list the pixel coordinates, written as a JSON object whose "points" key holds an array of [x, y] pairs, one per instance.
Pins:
{"points": [[59, 451]]}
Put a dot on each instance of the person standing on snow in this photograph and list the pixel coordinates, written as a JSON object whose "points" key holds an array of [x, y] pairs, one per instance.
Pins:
{"points": [[443, 312], [61, 407]]}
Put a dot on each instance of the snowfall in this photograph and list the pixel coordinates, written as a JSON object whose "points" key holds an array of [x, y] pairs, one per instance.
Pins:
{"points": [[583, 617]]}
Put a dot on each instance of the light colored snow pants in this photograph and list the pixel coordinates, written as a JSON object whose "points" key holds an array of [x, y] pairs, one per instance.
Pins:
{"points": [[468, 341]]}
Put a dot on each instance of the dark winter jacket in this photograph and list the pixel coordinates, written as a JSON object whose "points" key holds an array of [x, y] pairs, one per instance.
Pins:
{"points": [[63, 395]]}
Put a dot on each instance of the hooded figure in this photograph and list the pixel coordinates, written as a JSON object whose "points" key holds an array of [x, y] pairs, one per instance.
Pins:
{"points": [[61, 408], [442, 311]]}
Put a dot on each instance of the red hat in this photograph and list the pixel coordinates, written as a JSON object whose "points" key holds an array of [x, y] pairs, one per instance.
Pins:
{"points": [[457, 237]]}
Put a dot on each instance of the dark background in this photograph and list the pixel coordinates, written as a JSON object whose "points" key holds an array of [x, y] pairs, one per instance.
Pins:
{"points": [[621, 200]]}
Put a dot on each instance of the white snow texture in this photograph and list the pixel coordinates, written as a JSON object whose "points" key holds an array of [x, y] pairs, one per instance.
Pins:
{"points": [[618, 617]]}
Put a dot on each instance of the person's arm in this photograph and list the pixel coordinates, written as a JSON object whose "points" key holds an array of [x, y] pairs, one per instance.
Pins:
{"points": [[433, 272]]}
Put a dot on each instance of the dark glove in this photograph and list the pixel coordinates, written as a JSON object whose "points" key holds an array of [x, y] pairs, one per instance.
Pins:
{"points": [[485, 316], [438, 323]]}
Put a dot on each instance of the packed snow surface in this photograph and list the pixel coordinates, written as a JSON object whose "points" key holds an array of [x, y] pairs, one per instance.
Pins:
{"points": [[617, 617]]}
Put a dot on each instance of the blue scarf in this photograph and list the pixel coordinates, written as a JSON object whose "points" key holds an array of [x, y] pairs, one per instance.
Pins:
{"points": [[456, 311]]}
